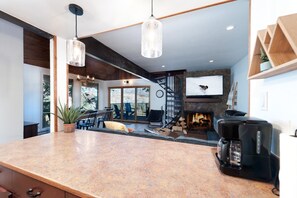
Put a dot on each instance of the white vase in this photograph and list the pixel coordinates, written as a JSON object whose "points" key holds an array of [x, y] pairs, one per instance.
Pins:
{"points": [[264, 66]]}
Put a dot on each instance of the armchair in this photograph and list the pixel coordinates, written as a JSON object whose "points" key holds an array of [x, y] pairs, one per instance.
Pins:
{"points": [[155, 117], [128, 110]]}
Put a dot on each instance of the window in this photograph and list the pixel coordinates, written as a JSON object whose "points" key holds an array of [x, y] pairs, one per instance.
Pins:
{"points": [[130, 103], [70, 92], [46, 104], [89, 96]]}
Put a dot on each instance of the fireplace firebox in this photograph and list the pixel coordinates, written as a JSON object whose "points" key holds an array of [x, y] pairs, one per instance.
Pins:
{"points": [[199, 121]]}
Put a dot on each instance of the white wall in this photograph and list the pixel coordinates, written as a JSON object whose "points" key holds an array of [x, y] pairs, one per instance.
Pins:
{"points": [[33, 78], [239, 74], [156, 103], [281, 90], [11, 82]]}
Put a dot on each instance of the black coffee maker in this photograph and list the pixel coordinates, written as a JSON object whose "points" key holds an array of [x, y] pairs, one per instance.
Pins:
{"points": [[244, 147]]}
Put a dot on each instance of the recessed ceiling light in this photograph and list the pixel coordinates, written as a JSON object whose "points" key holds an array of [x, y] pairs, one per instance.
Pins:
{"points": [[163, 65], [230, 27], [211, 61]]}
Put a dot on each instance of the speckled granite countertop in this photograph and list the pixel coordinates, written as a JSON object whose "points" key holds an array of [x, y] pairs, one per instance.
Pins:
{"points": [[92, 164]]}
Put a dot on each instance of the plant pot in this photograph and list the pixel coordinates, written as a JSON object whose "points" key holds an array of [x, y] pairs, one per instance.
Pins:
{"points": [[264, 66], [69, 128]]}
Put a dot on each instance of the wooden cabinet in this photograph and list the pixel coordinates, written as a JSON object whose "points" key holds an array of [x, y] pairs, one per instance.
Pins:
{"points": [[23, 186], [5, 178], [68, 195], [30, 129], [279, 42]]}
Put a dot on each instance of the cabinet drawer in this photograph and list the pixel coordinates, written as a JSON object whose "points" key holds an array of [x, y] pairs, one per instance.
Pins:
{"points": [[22, 184], [68, 195], [5, 178]]}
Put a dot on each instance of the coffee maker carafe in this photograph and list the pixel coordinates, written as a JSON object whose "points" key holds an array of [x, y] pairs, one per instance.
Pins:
{"points": [[229, 151], [244, 148]]}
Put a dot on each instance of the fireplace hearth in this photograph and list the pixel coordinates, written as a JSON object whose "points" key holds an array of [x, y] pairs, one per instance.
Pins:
{"points": [[199, 121]]}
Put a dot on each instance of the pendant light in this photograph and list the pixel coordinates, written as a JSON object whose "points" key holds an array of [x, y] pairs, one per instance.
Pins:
{"points": [[75, 49], [151, 41]]}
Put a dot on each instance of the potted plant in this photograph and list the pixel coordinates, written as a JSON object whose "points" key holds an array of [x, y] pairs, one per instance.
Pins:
{"points": [[69, 116], [265, 63]]}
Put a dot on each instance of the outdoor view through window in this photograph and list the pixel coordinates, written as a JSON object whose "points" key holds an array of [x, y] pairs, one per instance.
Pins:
{"points": [[130, 103]]}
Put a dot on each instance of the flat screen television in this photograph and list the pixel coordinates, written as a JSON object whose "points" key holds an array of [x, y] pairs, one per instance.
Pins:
{"points": [[204, 86]]}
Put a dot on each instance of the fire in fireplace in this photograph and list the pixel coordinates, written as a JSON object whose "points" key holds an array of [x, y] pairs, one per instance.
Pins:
{"points": [[199, 121]]}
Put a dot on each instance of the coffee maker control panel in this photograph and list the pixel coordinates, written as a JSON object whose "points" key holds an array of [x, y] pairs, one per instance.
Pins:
{"points": [[258, 149]]}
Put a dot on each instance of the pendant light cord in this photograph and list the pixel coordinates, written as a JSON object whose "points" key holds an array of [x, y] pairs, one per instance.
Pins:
{"points": [[152, 8], [75, 25]]}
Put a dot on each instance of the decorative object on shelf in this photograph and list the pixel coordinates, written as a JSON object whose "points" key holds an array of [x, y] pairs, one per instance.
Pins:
{"points": [[159, 93], [69, 116], [265, 63], [74, 48], [151, 37]]}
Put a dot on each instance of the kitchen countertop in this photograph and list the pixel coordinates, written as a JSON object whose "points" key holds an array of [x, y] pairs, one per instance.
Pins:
{"points": [[97, 164]]}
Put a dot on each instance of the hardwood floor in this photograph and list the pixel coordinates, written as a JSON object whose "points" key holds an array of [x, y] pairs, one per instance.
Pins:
{"points": [[197, 134]]}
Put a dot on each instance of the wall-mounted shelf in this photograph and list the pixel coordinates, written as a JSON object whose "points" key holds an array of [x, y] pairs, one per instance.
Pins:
{"points": [[202, 100], [279, 42]]}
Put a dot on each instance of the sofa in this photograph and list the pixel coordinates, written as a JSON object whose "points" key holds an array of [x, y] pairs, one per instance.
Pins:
{"points": [[143, 134]]}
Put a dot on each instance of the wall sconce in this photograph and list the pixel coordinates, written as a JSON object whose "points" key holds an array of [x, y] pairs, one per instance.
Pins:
{"points": [[126, 82]]}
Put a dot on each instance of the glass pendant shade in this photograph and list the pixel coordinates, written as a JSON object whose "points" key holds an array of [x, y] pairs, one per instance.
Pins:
{"points": [[75, 53], [151, 41]]}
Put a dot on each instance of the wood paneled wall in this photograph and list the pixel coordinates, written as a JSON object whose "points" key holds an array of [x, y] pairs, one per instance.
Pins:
{"points": [[36, 50]]}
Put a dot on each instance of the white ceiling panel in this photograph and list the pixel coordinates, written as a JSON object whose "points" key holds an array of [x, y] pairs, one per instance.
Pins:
{"points": [[190, 40], [54, 17]]}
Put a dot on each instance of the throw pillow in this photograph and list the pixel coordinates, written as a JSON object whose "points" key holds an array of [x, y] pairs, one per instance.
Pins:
{"points": [[115, 126]]}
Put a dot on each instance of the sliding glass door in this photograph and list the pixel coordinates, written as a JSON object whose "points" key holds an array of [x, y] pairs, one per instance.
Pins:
{"points": [[143, 103], [130, 103]]}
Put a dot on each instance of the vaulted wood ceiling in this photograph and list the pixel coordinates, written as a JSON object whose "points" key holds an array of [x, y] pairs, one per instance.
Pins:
{"points": [[100, 70], [37, 52]]}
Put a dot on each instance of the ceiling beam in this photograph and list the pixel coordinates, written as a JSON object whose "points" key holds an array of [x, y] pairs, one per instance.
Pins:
{"points": [[25, 25], [99, 51], [100, 70]]}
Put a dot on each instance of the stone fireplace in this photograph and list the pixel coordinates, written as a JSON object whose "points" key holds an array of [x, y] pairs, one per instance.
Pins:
{"points": [[199, 121], [213, 104]]}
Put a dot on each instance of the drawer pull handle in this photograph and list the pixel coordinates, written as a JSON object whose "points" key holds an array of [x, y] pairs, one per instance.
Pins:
{"points": [[31, 193]]}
